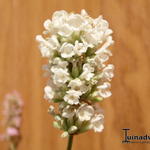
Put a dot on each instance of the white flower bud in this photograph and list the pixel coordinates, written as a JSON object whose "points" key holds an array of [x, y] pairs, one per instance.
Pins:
{"points": [[44, 46], [49, 93], [48, 24], [57, 118], [72, 129], [56, 125], [64, 134], [51, 110], [84, 13]]}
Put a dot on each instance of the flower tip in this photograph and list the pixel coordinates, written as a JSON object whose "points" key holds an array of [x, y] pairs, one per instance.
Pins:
{"points": [[84, 13]]}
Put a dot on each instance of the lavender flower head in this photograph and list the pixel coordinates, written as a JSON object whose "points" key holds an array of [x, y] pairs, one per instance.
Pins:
{"points": [[77, 49], [13, 105]]}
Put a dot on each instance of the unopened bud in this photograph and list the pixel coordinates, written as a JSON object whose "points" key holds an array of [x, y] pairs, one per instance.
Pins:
{"points": [[95, 97], [51, 110], [64, 134], [56, 125], [57, 118], [72, 129]]}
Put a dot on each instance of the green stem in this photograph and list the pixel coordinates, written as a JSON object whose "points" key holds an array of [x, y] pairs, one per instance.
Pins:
{"points": [[70, 141]]}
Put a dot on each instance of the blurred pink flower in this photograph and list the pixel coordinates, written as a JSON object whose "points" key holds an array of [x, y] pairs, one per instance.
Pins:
{"points": [[12, 131], [13, 105]]}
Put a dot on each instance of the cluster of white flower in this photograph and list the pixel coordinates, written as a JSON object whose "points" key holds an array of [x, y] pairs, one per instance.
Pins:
{"points": [[76, 46]]}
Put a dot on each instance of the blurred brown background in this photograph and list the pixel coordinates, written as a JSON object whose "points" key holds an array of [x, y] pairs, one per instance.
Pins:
{"points": [[20, 69]]}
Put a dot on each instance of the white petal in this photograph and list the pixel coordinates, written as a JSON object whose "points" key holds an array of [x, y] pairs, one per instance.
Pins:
{"points": [[108, 72], [59, 15], [68, 112], [72, 97], [85, 112], [86, 75], [65, 30], [67, 50], [49, 93], [75, 20], [88, 67], [78, 85], [60, 76], [48, 25], [84, 13], [104, 90], [97, 122]]}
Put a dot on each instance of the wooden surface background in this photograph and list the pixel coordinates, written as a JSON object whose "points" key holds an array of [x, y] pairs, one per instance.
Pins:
{"points": [[20, 69]]}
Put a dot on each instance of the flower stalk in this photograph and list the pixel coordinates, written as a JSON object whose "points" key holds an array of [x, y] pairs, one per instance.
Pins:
{"points": [[70, 142]]}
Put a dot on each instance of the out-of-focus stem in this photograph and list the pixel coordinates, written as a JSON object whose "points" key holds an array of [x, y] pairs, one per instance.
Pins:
{"points": [[70, 141], [12, 146]]}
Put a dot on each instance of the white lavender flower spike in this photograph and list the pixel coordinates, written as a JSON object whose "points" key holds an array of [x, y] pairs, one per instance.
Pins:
{"points": [[77, 49]]}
